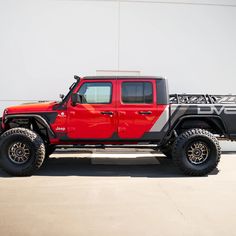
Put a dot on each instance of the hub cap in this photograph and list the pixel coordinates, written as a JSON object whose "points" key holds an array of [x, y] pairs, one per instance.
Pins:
{"points": [[19, 153], [197, 153]]}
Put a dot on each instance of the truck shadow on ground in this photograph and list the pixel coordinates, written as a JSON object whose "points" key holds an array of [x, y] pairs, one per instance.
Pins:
{"points": [[72, 166]]}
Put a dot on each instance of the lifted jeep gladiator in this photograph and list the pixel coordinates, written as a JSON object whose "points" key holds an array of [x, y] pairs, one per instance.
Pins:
{"points": [[102, 110]]}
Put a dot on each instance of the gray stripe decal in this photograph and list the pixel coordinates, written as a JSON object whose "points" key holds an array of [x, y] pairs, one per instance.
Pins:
{"points": [[173, 109], [175, 112], [180, 112], [160, 123]]}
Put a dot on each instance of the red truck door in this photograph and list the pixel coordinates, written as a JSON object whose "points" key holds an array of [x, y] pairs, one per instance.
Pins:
{"points": [[137, 107], [95, 118]]}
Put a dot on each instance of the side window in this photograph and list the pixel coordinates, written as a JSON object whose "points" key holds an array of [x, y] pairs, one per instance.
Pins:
{"points": [[96, 92], [137, 92]]}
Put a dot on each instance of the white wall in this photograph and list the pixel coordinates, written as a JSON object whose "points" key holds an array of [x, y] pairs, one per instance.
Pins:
{"points": [[194, 46], [44, 43]]}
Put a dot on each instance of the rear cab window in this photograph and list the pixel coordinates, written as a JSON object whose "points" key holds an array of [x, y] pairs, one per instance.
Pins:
{"points": [[137, 92]]}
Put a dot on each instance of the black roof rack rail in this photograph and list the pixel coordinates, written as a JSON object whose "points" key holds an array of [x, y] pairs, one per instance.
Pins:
{"points": [[202, 99]]}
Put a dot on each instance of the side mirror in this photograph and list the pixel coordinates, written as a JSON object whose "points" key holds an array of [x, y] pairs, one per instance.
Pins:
{"points": [[62, 96], [75, 98]]}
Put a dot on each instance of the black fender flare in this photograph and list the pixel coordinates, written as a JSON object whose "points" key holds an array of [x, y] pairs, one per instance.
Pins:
{"points": [[222, 127], [37, 117]]}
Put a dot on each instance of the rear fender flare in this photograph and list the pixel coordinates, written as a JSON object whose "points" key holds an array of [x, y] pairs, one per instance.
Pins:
{"points": [[219, 124]]}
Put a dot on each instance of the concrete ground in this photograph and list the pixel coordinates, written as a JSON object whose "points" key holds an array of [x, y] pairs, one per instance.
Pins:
{"points": [[118, 193]]}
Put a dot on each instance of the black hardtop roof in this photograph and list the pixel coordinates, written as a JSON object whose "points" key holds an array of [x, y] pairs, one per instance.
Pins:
{"points": [[123, 77]]}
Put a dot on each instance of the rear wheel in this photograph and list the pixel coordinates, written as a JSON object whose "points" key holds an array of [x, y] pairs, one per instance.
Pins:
{"points": [[196, 152], [22, 151]]}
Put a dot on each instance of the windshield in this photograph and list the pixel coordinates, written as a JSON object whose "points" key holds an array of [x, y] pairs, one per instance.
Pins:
{"points": [[71, 88]]}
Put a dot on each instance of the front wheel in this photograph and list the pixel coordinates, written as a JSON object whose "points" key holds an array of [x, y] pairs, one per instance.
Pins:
{"points": [[22, 151], [196, 152]]}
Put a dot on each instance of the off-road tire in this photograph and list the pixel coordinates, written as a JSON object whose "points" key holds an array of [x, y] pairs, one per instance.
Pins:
{"points": [[180, 155], [34, 143]]}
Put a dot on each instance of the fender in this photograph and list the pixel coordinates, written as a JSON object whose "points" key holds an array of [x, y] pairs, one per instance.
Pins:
{"points": [[39, 118], [221, 127]]}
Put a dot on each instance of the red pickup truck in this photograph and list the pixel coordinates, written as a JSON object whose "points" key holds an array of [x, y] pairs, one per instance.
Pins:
{"points": [[120, 110]]}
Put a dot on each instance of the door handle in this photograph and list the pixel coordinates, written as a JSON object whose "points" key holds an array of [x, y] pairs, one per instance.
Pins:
{"points": [[72, 113], [145, 112], [106, 112]]}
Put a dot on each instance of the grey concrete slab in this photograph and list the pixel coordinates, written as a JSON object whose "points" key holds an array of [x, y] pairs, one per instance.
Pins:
{"points": [[69, 196]]}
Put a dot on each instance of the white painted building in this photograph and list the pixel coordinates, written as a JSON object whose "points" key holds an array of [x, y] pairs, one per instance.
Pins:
{"points": [[44, 43]]}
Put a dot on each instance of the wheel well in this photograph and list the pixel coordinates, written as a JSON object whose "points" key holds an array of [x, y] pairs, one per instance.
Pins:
{"points": [[29, 123], [212, 124]]}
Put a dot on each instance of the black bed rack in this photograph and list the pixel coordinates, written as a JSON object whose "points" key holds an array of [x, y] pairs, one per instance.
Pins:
{"points": [[202, 99]]}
